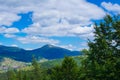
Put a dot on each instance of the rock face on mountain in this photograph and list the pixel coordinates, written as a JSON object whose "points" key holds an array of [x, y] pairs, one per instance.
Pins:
{"points": [[47, 51]]}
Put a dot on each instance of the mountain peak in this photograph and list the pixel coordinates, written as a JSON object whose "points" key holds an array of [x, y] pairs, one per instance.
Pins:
{"points": [[48, 46]]}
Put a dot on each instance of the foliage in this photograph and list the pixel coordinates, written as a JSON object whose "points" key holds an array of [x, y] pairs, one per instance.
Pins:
{"points": [[11, 75], [104, 54], [67, 71]]}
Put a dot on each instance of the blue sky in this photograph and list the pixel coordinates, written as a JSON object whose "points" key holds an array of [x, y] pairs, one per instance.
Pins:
{"points": [[65, 23]]}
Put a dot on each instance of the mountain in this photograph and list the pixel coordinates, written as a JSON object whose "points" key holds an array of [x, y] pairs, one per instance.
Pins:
{"points": [[14, 53], [47, 51], [53, 52]]}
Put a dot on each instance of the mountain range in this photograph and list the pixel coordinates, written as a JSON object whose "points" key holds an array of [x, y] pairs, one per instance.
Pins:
{"points": [[47, 51]]}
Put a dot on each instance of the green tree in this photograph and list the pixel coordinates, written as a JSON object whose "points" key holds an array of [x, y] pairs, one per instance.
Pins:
{"points": [[56, 73], [11, 75], [85, 52], [37, 74], [67, 71], [104, 52], [19, 75], [26, 76]]}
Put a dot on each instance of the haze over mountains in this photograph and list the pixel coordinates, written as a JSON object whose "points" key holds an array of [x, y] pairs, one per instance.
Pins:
{"points": [[48, 52]]}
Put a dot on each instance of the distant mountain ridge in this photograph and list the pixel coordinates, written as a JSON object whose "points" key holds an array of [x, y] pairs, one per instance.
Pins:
{"points": [[47, 51]]}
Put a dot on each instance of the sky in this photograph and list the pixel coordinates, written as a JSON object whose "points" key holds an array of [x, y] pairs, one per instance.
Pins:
{"points": [[30, 24]]}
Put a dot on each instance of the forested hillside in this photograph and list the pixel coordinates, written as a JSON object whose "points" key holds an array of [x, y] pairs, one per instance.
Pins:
{"points": [[47, 51]]}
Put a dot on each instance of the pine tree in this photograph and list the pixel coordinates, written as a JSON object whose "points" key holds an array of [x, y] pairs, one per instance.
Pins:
{"points": [[104, 57], [19, 75], [67, 71], [56, 73], [36, 70], [70, 69], [26, 76], [11, 75]]}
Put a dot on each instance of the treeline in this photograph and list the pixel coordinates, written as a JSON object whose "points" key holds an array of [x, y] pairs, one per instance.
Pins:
{"points": [[101, 61], [68, 70]]}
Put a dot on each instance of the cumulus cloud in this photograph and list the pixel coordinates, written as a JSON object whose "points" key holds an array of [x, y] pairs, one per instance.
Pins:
{"points": [[83, 45], [50, 18], [69, 46], [7, 18], [9, 35], [74, 11], [8, 30], [36, 39], [53, 14], [111, 7], [65, 19], [60, 30]]}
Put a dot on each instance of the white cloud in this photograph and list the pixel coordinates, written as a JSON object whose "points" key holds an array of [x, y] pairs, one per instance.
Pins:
{"points": [[36, 39], [7, 18], [53, 14], [65, 19], [9, 35], [83, 45], [69, 46], [60, 30], [83, 32], [111, 7], [11, 30], [73, 11], [8, 30]]}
